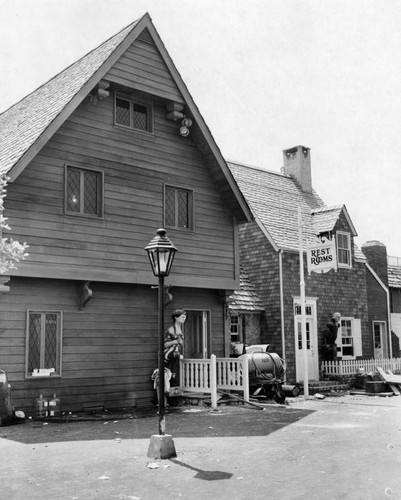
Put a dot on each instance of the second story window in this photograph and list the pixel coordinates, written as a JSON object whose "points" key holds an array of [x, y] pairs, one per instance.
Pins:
{"points": [[178, 207], [132, 114], [344, 249], [83, 192]]}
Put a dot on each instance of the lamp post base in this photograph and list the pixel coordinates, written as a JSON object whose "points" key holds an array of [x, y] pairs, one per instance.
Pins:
{"points": [[161, 446]]}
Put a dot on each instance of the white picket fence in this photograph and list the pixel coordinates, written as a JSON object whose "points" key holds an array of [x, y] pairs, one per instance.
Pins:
{"points": [[354, 366], [210, 375]]}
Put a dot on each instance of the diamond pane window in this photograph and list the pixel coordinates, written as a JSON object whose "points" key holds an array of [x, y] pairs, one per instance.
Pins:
{"points": [[140, 116], [73, 190], [43, 343], [169, 207], [84, 192], [133, 114], [178, 207], [123, 112]]}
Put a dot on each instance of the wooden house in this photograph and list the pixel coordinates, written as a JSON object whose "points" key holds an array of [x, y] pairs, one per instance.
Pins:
{"points": [[269, 250], [99, 158]]}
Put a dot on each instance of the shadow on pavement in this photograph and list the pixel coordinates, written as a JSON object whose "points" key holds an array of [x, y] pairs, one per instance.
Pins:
{"points": [[206, 475], [230, 421]]}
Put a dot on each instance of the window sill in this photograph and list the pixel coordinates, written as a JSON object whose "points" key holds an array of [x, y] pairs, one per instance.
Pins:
{"points": [[84, 216], [175, 228], [148, 133]]}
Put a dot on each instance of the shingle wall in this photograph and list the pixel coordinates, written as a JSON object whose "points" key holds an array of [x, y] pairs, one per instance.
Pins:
{"points": [[344, 291]]}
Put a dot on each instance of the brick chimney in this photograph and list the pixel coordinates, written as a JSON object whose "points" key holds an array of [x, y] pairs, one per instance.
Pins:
{"points": [[376, 254], [297, 164]]}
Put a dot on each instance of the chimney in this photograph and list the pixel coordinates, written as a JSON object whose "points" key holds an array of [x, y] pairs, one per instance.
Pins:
{"points": [[376, 254], [297, 164]]}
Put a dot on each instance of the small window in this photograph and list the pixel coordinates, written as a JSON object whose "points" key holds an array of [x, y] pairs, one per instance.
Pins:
{"points": [[178, 207], [343, 249], [349, 338], [235, 329], [123, 112], [133, 114], [43, 343], [83, 192]]}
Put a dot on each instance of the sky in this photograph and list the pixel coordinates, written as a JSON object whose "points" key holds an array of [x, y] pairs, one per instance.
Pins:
{"points": [[266, 75]]}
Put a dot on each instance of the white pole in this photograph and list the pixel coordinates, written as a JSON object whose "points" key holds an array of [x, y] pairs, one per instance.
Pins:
{"points": [[303, 307], [213, 381]]}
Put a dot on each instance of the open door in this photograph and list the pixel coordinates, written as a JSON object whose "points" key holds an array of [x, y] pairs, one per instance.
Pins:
{"points": [[197, 334]]}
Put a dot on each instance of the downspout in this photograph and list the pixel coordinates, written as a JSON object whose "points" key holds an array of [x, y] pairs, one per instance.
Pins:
{"points": [[389, 322], [387, 291], [280, 264]]}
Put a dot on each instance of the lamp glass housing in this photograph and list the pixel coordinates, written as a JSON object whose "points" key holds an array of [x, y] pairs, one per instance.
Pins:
{"points": [[161, 253]]}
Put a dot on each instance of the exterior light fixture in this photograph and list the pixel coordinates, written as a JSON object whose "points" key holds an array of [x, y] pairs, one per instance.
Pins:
{"points": [[161, 254], [184, 131], [186, 123]]}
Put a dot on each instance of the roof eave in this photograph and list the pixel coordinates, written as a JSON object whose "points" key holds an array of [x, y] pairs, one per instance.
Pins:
{"points": [[51, 129]]}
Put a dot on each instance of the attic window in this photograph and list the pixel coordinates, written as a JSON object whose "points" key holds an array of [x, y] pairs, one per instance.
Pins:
{"points": [[344, 249], [132, 114]]}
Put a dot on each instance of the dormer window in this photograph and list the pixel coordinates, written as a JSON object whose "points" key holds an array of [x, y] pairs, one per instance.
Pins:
{"points": [[344, 249], [131, 113]]}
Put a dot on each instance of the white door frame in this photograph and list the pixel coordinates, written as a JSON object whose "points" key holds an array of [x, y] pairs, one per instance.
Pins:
{"points": [[312, 340], [205, 333], [381, 351]]}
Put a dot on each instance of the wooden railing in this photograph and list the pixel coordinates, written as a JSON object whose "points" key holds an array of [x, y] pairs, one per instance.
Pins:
{"points": [[233, 375], [211, 375], [354, 366]]}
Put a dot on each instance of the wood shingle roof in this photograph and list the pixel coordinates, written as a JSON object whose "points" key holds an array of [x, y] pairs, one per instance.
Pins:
{"points": [[274, 199], [27, 126], [25, 122], [394, 276], [245, 299]]}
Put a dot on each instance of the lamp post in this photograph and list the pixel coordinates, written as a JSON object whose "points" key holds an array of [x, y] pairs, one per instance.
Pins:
{"points": [[161, 253]]}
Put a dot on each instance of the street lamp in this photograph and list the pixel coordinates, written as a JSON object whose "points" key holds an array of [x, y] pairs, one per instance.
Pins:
{"points": [[161, 253]]}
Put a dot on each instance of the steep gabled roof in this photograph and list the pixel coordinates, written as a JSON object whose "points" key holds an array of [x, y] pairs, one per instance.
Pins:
{"points": [[274, 199], [245, 299], [27, 126], [28, 123]]}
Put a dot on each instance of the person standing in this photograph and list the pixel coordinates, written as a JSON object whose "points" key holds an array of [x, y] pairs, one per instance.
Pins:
{"points": [[174, 345], [330, 337]]}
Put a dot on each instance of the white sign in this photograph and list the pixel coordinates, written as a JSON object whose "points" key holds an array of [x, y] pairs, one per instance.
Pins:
{"points": [[322, 256]]}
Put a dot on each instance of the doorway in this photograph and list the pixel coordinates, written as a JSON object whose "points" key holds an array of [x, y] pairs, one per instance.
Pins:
{"points": [[379, 339], [311, 340], [197, 334]]}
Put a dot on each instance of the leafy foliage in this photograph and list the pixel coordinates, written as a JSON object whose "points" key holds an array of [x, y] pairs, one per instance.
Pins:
{"points": [[11, 252]]}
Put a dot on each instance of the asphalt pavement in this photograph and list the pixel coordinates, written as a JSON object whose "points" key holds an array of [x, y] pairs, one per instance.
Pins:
{"points": [[340, 447]]}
